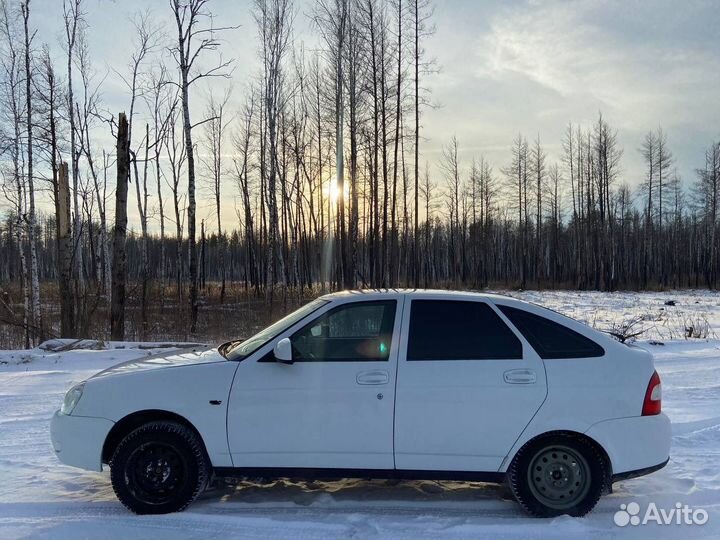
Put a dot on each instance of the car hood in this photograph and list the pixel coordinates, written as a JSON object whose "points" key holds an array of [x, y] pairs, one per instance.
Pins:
{"points": [[192, 357]]}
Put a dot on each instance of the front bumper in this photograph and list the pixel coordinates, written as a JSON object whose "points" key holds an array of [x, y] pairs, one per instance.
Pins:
{"points": [[640, 443], [78, 440]]}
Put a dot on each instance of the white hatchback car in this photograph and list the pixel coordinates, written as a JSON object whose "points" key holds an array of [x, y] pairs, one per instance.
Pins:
{"points": [[380, 384]]}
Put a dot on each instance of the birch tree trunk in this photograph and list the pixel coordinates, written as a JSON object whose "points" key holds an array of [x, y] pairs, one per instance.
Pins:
{"points": [[187, 19], [36, 320], [72, 16]]}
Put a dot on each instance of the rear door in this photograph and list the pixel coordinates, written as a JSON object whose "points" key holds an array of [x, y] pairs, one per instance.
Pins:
{"points": [[467, 386]]}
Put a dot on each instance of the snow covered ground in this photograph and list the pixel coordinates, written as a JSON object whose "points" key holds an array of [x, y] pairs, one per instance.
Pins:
{"points": [[39, 498]]}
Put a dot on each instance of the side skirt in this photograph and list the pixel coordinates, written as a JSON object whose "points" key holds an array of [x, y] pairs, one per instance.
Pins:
{"points": [[338, 474]]}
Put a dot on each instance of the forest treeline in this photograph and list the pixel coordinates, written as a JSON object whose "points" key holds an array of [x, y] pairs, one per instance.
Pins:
{"points": [[324, 161]]}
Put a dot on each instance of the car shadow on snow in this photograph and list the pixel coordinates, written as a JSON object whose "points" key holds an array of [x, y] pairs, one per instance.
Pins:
{"points": [[365, 492]]}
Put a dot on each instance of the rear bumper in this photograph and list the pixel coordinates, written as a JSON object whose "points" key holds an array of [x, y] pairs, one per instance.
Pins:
{"points": [[639, 472], [636, 445], [78, 440]]}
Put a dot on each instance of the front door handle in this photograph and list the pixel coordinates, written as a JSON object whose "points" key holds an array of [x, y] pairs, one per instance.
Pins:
{"points": [[520, 376], [372, 377]]}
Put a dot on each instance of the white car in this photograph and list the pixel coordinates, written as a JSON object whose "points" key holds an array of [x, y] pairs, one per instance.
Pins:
{"points": [[380, 384]]}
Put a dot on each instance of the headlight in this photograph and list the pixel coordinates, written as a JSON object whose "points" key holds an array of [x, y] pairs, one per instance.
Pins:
{"points": [[72, 398]]}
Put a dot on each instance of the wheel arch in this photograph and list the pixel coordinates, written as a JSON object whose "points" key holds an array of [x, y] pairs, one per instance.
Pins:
{"points": [[134, 420], [573, 435]]}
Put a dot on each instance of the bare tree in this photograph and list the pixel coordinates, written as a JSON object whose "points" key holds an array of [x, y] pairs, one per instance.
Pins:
{"points": [[86, 114], [649, 153], [538, 170], [451, 168], [74, 21], [215, 128], [707, 194], [353, 73], [162, 102], [664, 162], [35, 318], [517, 175], [555, 184], [274, 22], [427, 191], [146, 42], [331, 19], [421, 12], [193, 40], [51, 107], [370, 21], [141, 191], [175, 153], [119, 262], [396, 142], [15, 189], [242, 171]]}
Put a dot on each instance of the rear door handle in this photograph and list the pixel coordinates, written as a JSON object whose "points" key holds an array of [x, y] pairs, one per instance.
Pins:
{"points": [[520, 376], [372, 377]]}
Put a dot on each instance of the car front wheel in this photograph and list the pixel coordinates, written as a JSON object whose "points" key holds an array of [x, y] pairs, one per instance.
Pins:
{"points": [[557, 475], [158, 468]]}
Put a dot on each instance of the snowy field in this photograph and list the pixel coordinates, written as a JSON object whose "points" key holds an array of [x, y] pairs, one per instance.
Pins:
{"points": [[39, 498]]}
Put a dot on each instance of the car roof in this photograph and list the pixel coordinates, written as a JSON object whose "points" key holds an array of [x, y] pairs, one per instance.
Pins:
{"points": [[418, 293]]}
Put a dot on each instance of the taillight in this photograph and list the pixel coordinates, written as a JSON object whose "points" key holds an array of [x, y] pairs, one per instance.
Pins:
{"points": [[653, 396]]}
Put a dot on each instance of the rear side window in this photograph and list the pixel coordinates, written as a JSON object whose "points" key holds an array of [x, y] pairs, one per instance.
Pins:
{"points": [[453, 330], [550, 339]]}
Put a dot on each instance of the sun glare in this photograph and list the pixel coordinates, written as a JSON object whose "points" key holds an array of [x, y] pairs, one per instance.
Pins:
{"points": [[332, 190]]}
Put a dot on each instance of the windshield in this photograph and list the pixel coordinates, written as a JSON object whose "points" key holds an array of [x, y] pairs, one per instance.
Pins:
{"points": [[250, 345]]}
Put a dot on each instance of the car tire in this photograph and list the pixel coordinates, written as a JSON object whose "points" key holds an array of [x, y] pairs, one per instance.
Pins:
{"points": [[557, 474], [158, 468]]}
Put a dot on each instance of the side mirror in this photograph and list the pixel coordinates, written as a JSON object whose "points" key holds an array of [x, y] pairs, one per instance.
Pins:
{"points": [[283, 351]]}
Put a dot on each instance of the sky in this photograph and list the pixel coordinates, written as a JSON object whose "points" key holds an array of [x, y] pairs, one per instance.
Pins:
{"points": [[505, 67]]}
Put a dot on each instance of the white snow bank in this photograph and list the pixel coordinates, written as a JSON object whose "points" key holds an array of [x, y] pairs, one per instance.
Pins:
{"points": [[661, 316]]}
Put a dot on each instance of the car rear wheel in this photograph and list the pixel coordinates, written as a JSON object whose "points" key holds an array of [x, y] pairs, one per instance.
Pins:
{"points": [[158, 468], [557, 475]]}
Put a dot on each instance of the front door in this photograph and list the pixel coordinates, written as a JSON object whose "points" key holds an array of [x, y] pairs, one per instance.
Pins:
{"points": [[467, 386], [331, 408]]}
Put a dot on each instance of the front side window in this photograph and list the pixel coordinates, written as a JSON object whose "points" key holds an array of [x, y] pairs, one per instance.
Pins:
{"points": [[456, 330], [550, 339], [357, 332]]}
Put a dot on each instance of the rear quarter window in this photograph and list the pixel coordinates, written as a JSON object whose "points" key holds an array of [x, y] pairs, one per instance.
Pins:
{"points": [[551, 340]]}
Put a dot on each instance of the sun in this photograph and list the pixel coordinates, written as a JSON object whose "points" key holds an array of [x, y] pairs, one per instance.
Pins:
{"points": [[332, 190]]}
